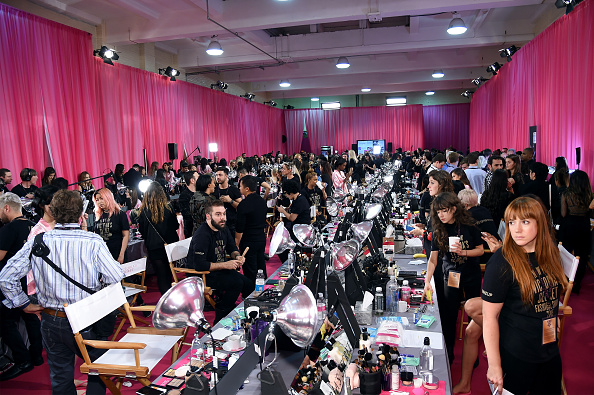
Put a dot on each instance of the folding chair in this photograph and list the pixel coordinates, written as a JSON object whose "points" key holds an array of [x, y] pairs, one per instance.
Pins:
{"points": [[570, 265], [134, 356], [178, 251], [133, 290]]}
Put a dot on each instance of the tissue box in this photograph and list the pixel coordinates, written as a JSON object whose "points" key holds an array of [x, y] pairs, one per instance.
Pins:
{"points": [[413, 246], [363, 316]]}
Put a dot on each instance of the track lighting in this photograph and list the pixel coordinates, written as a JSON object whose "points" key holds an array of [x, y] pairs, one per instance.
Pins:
{"points": [[289, 107], [457, 25], [169, 72], [467, 93], [220, 85], [508, 52], [567, 3], [284, 84], [108, 55], [478, 81], [493, 68], [249, 96], [271, 103]]}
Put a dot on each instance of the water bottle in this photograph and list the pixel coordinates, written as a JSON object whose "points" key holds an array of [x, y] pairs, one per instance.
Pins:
{"points": [[321, 307], [426, 358], [405, 292], [260, 281], [380, 302], [392, 295], [196, 354]]}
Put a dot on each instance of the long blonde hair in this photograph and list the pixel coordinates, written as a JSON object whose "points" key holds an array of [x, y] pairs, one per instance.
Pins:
{"points": [[547, 253], [155, 201]]}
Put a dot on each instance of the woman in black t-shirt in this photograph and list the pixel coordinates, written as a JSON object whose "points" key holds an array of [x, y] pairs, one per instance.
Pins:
{"points": [[111, 224], [460, 264], [298, 211], [314, 195], [521, 291]]}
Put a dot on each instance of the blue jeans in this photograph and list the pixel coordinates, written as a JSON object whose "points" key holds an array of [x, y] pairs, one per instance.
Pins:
{"points": [[59, 343]]}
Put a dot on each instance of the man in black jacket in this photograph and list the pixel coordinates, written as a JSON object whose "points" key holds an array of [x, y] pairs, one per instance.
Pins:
{"points": [[211, 243], [190, 178], [538, 186]]}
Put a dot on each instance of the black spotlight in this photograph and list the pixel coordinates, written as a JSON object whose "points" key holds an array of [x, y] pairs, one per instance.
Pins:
{"points": [[220, 85], [108, 55], [467, 93], [567, 3], [478, 81], [272, 103], [169, 72], [493, 68], [249, 96], [289, 107], [508, 52]]}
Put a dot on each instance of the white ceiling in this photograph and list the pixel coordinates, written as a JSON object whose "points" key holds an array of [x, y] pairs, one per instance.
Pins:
{"points": [[304, 38]]}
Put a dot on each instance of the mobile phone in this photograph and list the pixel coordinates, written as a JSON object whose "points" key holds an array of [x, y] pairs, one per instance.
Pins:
{"points": [[151, 391]]}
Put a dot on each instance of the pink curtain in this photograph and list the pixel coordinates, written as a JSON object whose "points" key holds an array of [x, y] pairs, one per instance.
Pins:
{"points": [[62, 100], [548, 84], [402, 126], [447, 125]]}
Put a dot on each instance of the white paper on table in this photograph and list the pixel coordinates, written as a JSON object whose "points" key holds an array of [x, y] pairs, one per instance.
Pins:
{"points": [[367, 300], [415, 242], [412, 338], [221, 333], [417, 262], [504, 392]]}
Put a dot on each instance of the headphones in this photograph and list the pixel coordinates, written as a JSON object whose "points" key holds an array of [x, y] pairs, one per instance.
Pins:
{"points": [[28, 175]]}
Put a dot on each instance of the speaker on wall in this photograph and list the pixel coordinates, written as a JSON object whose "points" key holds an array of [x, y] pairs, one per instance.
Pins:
{"points": [[284, 139], [354, 147], [390, 147], [578, 156], [172, 147]]}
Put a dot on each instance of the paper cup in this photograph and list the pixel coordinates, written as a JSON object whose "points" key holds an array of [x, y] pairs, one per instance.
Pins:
{"points": [[402, 306], [453, 240], [234, 342]]}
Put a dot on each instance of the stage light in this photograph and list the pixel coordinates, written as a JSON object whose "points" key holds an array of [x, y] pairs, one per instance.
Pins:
{"points": [[493, 68], [508, 52], [169, 72], [220, 85], [249, 96], [430, 93], [214, 48], [284, 84], [457, 26], [343, 63], [315, 99], [438, 74], [143, 185], [108, 55], [271, 103], [331, 106], [567, 3], [467, 93], [365, 90], [213, 147], [395, 101], [478, 81], [289, 107]]}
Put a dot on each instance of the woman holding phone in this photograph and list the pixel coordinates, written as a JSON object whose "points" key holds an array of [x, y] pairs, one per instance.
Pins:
{"points": [[521, 290]]}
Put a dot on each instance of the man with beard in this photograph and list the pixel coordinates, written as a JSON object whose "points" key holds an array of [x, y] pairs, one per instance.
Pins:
{"points": [[210, 245]]}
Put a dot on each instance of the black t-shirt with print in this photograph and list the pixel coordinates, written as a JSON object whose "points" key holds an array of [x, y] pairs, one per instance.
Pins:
{"points": [[234, 194], [314, 196], [21, 191], [470, 238], [520, 325], [110, 229]]}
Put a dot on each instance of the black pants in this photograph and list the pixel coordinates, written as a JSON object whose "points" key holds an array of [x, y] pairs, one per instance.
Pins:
{"points": [[470, 287], [523, 377], [577, 239], [254, 259], [9, 320], [158, 259], [228, 285]]}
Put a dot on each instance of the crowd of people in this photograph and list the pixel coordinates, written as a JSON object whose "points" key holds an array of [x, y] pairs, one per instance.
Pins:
{"points": [[224, 207]]}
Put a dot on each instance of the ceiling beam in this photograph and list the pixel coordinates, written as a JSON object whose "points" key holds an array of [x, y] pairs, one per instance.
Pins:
{"points": [[215, 7], [137, 7], [69, 10]]}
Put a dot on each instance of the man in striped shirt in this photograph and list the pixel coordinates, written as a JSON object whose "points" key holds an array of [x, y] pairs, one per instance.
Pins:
{"points": [[85, 258]]}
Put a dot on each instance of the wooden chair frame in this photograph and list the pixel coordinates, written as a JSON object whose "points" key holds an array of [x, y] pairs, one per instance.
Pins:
{"points": [[132, 303], [121, 372]]}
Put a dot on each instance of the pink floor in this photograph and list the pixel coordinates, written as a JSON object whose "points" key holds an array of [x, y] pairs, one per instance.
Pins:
{"points": [[577, 351]]}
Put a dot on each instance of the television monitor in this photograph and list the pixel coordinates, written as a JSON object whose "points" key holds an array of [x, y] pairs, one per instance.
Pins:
{"points": [[376, 147]]}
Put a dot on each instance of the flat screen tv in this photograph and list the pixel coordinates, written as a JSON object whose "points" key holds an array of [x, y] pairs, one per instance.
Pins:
{"points": [[376, 147]]}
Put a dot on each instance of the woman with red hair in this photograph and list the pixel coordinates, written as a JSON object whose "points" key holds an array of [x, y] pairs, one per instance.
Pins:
{"points": [[111, 224]]}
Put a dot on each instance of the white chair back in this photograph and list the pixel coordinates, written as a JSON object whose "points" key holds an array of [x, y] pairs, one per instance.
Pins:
{"points": [[569, 262], [91, 309], [134, 267], [178, 250]]}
